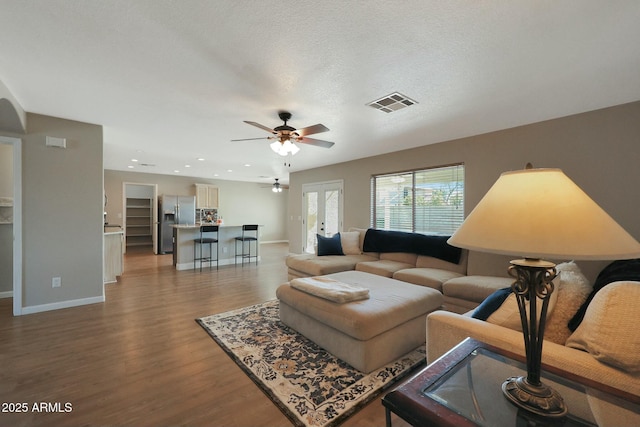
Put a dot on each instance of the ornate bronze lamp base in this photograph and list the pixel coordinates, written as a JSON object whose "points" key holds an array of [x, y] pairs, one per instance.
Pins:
{"points": [[534, 281], [538, 399]]}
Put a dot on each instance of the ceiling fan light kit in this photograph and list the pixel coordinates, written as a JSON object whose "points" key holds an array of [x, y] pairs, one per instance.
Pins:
{"points": [[276, 188], [284, 147], [285, 136]]}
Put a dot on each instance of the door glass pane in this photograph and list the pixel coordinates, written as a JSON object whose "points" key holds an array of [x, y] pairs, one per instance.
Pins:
{"points": [[331, 213], [311, 203]]}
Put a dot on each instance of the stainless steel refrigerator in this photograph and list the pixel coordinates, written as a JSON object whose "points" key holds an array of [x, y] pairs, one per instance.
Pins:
{"points": [[173, 210]]}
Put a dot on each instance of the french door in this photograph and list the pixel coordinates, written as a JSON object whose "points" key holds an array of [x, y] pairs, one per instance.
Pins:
{"points": [[322, 210]]}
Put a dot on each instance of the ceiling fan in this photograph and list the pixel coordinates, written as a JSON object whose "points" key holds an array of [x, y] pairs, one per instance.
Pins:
{"points": [[284, 136], [277, 187]]}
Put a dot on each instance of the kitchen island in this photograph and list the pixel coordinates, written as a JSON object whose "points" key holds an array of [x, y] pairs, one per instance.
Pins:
{"points": [[184, 235], [113, 251]]}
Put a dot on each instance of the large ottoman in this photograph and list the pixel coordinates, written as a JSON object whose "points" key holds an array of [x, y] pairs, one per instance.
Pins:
{"points": [[368, 333]]}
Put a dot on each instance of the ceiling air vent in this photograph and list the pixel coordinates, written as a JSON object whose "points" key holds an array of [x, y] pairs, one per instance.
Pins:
{"points": [[392, 102]]}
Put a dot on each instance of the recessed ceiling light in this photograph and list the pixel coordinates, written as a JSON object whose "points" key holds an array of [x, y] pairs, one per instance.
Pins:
{"points": [[130, 166], [134, 160], [201, 159], [187, 166], [176, 171], [215, 174], [229, 170], [247, 165]]}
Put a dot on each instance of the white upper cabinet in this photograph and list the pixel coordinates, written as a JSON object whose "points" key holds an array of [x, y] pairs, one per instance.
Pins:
{"points": [[207, 196]]}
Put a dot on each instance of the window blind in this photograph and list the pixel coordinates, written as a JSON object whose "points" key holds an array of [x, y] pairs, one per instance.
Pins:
{"points": [[428, 201]]}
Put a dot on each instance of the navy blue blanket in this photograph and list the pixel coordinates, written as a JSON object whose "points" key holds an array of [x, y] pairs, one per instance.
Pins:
{"points": [[421, 244]]}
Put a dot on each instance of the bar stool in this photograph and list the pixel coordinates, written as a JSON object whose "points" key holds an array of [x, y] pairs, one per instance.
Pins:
{"points": [[202, 240], [249, 234]]}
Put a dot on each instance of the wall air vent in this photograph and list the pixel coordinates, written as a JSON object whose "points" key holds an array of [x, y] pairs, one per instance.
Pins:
{"points": [[392, 102]]}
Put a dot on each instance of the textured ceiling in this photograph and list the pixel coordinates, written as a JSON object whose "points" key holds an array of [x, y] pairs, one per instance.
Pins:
{"points": [[172, 81]]}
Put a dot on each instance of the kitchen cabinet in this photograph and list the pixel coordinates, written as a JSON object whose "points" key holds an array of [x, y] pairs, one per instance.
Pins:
{"points": [[113, 256], [207, 196], [139, 220]]}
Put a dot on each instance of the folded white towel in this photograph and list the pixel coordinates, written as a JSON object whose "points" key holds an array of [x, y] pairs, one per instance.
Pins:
{"points": [[331, 289]]}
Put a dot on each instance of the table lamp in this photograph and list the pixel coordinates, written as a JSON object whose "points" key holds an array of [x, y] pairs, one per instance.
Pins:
{"points": [[536, 214]]}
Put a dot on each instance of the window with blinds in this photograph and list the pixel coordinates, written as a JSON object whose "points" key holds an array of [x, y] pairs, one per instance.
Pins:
{"points": [[428, 201]]}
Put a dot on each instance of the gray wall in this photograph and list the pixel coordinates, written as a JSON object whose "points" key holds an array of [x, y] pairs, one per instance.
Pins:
{"points": [[240, 202], [599, 150], [62, 212]]}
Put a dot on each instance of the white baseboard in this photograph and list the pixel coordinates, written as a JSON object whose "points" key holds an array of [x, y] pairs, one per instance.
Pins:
{"points": [[6, 294], [62, 304], [273, 241]]}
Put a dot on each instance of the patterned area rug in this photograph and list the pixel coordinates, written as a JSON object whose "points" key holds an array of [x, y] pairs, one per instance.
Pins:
{"points": [[309, 385]]}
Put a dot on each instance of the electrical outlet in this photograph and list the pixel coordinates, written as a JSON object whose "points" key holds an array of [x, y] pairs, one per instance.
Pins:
{"points": [[56, 282]]}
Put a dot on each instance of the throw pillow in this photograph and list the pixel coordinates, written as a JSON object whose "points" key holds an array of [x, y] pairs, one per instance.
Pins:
{"points": [[609, 331], [627, 269], [329, 245], [350, 242], [572, 290], [491, 304], [508, 315]]}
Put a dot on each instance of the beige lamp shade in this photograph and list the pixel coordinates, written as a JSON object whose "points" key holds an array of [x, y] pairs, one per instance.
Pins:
{"points": [[541, 213]]}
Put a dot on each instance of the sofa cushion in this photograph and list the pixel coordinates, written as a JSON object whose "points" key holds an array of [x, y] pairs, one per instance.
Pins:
{"points": [[430, 277], [617, 271], [573, 289], [425, 261], [608, 330], [382, 267], [474, 288], [313, 265], [329, 245], [508, 314], [350, 242], [402, 257]]}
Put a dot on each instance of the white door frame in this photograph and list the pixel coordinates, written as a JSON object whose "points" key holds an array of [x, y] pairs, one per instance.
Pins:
{"points": [[154, 214], [17, 221], [321, 187]]}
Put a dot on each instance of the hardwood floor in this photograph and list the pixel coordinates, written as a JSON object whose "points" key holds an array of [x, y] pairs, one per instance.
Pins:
{"points": [[140, 359]]}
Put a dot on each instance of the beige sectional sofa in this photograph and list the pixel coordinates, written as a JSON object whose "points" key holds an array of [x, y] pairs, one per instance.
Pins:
{"points": [[461, 290]]}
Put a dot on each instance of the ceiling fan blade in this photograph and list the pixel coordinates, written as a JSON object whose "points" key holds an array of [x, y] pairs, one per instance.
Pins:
{"points": [[250, 139], [316, 142], [310, 130], [258, 125]]}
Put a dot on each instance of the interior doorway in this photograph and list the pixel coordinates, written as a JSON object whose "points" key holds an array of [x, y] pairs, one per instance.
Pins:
{"points": [[322, 211], [11, 221], [140, 216]]}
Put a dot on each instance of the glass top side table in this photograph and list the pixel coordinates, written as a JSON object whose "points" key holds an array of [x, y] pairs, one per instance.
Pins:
{"points": [[464, 389]]}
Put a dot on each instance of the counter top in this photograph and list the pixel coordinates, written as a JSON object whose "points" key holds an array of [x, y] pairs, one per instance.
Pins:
{"points": [[190, 226], [106, 233]]}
